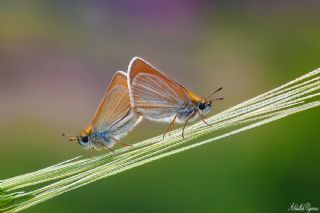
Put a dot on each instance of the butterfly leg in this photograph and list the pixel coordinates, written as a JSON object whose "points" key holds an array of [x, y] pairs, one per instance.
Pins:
{"points": [[203, 119], [109, 149], [135, 110], [169, 128], [120, 142], [102, 145], [91, 152], [185, 123]]}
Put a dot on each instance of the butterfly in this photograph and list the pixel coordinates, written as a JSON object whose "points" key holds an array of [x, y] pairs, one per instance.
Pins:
{"points": [[113, 119], [158, 97]]}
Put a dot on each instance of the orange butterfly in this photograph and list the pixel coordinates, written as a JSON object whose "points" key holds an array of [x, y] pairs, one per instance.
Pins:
{"points": [[158, 97], [113, 119]]}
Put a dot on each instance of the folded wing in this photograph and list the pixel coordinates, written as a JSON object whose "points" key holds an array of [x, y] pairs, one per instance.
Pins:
{"points": [[154, 94], [115, 105]]}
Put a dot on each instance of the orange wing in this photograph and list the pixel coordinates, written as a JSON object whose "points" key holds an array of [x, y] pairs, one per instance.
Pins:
{"points": [[115, 104], [152, 93]]}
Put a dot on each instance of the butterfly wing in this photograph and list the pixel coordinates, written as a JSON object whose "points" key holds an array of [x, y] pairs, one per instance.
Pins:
{"points": [[115, 113], [155, 95]]}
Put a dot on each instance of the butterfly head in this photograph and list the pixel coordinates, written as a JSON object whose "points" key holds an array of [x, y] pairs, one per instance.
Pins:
{"points": [[83, 138], [204, 106]]}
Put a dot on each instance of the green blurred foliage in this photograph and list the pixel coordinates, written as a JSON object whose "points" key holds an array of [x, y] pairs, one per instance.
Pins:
{"points": [[56, 58]]}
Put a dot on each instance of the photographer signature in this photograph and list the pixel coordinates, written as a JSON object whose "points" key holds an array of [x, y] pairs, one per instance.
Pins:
{"points": [[303, 207]]}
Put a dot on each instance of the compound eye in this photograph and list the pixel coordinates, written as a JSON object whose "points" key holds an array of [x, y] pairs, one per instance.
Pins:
{"points": [[202, 105], [85, 139]]}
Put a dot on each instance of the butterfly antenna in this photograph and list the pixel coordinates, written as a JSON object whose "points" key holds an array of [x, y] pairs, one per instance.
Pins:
{"points": [[214, 92], [73, 138], [218, 99]]}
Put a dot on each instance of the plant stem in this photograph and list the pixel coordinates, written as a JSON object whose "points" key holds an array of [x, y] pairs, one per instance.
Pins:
{"points": [[295, 96]]}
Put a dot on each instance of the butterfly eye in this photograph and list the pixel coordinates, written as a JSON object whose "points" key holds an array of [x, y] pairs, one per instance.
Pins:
{"points": [[85, 139], [202, 105]]}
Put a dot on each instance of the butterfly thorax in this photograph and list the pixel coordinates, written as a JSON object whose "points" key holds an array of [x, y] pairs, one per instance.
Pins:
{"points": [[186, 111], [194, 98], [100, 138], [95, 139]]}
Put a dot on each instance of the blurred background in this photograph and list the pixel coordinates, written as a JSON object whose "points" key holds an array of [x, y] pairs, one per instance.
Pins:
{"points": [[57, 58]]}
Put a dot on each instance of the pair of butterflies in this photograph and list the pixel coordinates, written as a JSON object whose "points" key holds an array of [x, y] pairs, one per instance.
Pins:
{"points": [[143, 92]]}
